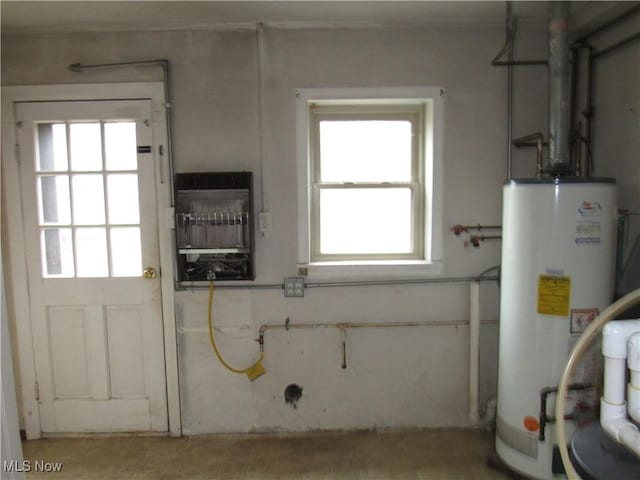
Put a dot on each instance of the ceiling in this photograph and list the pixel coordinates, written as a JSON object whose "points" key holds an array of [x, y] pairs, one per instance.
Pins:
{"points": [[26, 16], [57, 16]]}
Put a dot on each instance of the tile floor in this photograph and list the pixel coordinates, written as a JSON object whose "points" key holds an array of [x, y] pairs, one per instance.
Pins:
{"points": [[420, 454]]}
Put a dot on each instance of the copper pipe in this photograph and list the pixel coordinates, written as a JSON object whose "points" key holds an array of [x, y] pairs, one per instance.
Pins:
{"points": [[458, 229], [537, 140], [476, 240]]}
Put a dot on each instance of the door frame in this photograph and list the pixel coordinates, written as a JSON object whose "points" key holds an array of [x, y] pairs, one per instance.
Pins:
{"points": [[18, 299]]}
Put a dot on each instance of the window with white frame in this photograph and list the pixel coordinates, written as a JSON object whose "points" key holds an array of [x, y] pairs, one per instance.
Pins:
{"points": [[367, 165]]}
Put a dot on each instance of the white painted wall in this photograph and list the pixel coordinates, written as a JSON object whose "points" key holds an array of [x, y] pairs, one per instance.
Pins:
{"points": [[616, 122], [400, 378]]}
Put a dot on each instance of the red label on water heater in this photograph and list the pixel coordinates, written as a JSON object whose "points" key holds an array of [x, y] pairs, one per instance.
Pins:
{"points": [[581, 318]]}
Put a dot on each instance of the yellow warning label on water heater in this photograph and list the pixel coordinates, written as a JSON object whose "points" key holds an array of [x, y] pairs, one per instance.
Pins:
{"points": [[553, 295]]}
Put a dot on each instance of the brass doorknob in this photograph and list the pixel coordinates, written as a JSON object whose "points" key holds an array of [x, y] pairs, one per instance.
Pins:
{"points": [[149, 272]]}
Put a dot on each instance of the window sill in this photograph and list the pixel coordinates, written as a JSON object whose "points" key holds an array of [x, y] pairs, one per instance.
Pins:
{"points": [[371, 270]]}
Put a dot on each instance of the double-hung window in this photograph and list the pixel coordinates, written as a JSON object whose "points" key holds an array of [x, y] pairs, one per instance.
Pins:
{"points": [[367, 177]]}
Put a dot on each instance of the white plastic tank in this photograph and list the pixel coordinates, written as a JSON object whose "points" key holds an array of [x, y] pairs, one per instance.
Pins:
{"points": [[558, 258]]}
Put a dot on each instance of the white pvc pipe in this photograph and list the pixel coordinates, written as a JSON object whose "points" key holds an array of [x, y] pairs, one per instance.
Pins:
{"points": [[618, 349], [633, 352], [615, 336], [633, 402], [629, 436], [581, 345], [633, 391], [474, 350], [615, 377], [614, 421]]}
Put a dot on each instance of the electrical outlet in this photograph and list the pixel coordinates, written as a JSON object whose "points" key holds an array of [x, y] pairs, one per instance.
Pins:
{"points": [[294, 287]]}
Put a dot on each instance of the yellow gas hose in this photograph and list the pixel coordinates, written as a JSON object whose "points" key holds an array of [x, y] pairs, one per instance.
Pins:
{"points": [[254, 371]]}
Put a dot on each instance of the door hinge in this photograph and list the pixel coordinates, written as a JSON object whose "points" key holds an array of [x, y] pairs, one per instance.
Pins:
{"points": [[19, 124], [17, 150], [37, 390]]}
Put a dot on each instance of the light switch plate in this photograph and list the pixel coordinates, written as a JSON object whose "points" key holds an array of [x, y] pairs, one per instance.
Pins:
{"points": [[170, 218], [265, 222], [294, 287]]}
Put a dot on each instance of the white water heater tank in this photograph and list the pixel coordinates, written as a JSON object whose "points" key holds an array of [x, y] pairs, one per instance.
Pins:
{"points": [[558, 258]]}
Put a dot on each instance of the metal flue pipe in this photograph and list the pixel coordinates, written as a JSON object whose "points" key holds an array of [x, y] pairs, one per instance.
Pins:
{"points": [[559, 89]]}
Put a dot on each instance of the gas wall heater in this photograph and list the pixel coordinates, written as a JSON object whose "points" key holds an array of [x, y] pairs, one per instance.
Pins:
{"points": [[214, 226]]}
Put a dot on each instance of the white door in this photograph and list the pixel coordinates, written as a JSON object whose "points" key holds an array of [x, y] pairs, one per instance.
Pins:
{"points": [[89, 206]]}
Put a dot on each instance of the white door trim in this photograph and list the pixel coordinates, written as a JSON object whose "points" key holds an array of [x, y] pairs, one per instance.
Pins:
{"points": [[15, 267]]}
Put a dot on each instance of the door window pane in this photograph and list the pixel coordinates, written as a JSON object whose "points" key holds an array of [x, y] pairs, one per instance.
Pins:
{"points": [[123, 198], [365, 221], [86, 146], [91, 246], [365, 151], [120, 146], [91, 252], [54, 207], [88, 200], [57, 252], [126, 258], [52, 147]]}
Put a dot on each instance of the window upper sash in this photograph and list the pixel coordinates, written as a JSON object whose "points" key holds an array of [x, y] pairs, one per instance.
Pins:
{"points": [[412, 112]]}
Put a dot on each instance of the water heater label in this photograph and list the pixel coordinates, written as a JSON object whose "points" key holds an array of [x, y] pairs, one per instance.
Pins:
{"points": [[588, 232], [553, 295], [581, 318], [589, 209]]}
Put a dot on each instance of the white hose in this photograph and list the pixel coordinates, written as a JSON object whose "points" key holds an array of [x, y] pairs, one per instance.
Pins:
{"points": [[583, 343]]}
